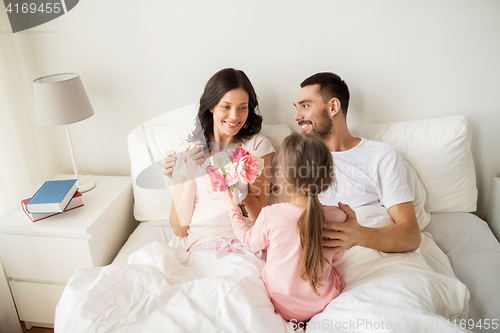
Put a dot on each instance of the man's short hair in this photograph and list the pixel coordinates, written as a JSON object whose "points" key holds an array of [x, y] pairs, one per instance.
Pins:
{"points": [[330, 86]]}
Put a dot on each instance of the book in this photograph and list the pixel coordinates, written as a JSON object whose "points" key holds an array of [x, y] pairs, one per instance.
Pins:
{"points": [[76, 202], [52, 197]]}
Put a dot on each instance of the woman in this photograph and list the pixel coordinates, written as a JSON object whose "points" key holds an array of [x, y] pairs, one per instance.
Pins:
{"points": [[227, 118]]}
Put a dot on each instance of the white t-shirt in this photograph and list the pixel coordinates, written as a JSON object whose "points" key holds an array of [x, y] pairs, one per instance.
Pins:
{"points": [[372, 173]]}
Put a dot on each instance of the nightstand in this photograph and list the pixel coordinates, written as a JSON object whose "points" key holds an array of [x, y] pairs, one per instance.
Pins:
{"points": [[39, 258], [494, 210]]}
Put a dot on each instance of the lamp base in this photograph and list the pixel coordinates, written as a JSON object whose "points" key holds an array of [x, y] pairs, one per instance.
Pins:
{"points": [[87, 186]]}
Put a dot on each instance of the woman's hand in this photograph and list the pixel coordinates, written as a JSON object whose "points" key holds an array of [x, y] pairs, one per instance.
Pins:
{"points": [[185, 189], [195, 156], [169, 163]]}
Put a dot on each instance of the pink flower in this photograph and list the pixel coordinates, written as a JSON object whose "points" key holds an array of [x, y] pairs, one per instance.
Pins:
{"points": [[238, 154], [217, 179], [228, 168], [248, 169], [232, 174]]}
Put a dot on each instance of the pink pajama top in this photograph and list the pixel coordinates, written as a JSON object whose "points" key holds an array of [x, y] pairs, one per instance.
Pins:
{"points": [[277, 228]]}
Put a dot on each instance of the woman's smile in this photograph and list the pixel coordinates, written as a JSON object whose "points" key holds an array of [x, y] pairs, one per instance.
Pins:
{"points": [[230, 115], [232, 125]]}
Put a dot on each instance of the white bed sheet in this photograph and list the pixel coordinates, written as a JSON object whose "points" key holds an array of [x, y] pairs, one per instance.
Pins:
{"points": [[395, 293], [165, 290], [474, 253], [145, 233]]}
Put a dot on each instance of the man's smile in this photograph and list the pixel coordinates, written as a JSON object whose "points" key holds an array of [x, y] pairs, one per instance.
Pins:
{"points": [[305, 124]]}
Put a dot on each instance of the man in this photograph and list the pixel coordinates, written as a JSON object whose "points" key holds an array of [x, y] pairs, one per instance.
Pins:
{"points": [[367, 172]]}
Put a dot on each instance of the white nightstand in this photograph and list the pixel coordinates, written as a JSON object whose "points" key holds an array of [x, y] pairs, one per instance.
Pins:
{"points": [[39, 258], [494, 211]]}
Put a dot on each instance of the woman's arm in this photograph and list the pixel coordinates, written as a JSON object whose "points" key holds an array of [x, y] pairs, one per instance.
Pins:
{"points": [[174, 222], [184, 192], [182, 203], [258, 192]]}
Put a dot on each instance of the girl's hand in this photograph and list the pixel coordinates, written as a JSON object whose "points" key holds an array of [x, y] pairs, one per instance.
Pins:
{"points": [[234, 197], [231, 196]]}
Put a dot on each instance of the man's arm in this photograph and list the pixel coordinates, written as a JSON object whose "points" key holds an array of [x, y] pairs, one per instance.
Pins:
{"points": [[403, 236]]}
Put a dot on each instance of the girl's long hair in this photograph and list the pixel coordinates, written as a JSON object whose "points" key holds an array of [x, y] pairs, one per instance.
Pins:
{"points": [[306, 167], [217, 86]]}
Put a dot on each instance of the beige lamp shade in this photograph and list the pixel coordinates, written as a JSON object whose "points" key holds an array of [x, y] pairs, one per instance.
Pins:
{"points": [[60, 99]]}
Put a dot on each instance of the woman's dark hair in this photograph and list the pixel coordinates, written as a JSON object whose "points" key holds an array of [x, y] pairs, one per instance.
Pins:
{"points": [[219, 84]]}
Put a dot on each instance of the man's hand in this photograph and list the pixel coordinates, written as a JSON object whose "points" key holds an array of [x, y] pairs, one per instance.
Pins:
{"points": [[339, 237], [169, 163], [402, 236]]}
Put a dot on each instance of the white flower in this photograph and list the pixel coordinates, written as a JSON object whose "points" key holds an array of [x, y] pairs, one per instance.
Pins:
{"points": [[232, 176], [220, 160], [229, 167]]}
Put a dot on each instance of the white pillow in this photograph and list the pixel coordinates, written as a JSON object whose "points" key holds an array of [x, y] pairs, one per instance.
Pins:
{"points": [[276, 134], [163, 133], [440, 151]]}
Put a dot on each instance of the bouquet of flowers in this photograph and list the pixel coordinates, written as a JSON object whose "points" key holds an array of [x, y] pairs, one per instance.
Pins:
{"points": [[224, 170]]}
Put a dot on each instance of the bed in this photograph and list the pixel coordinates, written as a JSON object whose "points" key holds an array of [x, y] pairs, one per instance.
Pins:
{"points": [[450, 284]]}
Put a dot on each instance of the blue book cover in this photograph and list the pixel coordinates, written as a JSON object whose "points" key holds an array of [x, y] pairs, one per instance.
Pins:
{"points": [[52, 197]]}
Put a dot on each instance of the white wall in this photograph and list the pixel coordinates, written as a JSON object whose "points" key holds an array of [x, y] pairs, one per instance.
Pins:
{"points": [[401, 59]]}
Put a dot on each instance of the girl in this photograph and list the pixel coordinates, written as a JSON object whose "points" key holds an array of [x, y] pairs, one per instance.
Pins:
{"points": [[300, 279]]}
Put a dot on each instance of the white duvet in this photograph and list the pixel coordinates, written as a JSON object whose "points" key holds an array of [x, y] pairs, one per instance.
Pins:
{"points": [[164, 290]]}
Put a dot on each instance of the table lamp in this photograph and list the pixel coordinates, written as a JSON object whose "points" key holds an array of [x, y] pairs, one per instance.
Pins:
{"points": [[61, 99]]}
